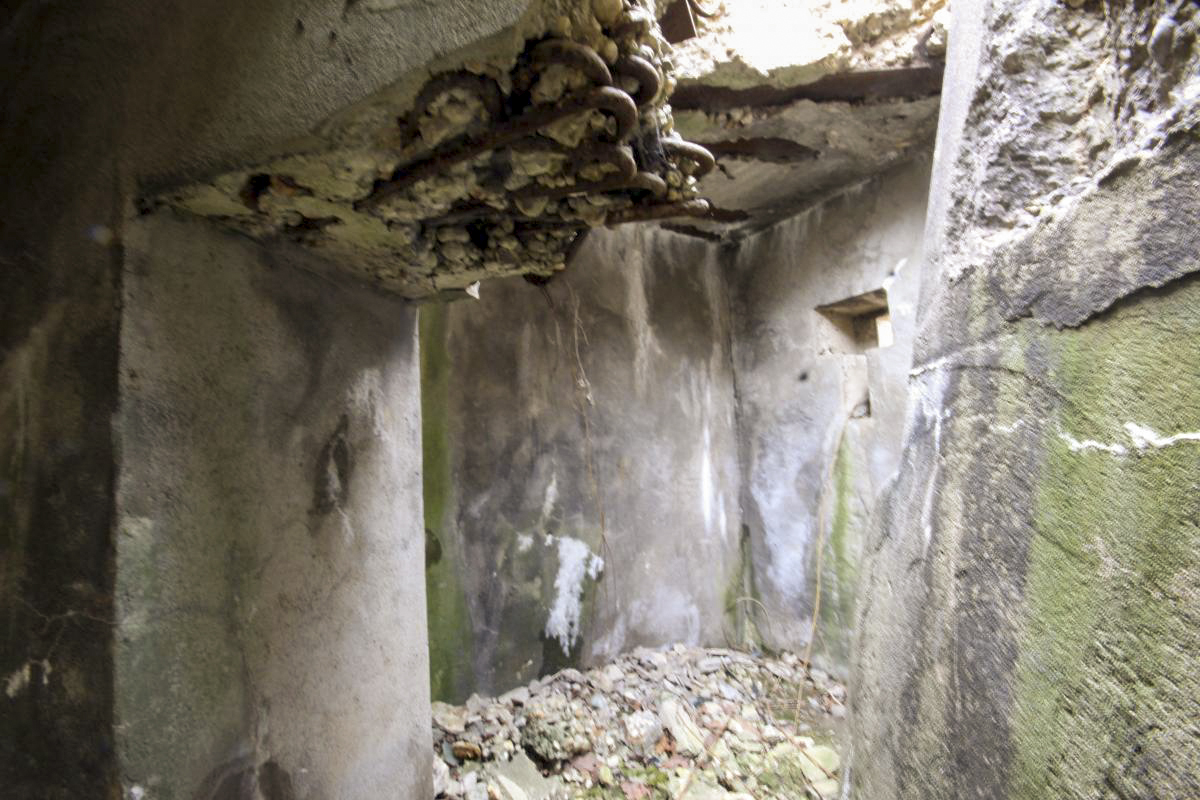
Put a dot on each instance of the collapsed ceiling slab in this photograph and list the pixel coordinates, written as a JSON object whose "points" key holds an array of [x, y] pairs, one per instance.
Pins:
{"points": [[496, 161], [493, 164]]}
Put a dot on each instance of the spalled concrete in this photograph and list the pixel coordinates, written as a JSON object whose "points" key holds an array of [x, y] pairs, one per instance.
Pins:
{"points": [[490, 164], [830, 144], [1029, 623]]}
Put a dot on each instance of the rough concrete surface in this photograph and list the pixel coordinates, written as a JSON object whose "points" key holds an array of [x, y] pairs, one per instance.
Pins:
{"points": [[750, 43], [1029, 624], [269, 542], [720, 428], [820, 428], [591, 417], [798, 100], [489, 162], [102, 103], [777, 160]]}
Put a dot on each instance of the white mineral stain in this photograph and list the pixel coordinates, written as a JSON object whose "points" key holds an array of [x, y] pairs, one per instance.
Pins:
{"points": [[1078, 446], [575, 563], [1144, 437], [18, 680]]}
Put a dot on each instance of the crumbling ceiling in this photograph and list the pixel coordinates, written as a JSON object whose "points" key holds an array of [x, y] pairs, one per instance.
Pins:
{"points": [[496, 162]]}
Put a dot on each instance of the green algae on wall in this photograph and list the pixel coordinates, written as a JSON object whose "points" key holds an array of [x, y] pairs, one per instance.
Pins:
{"points": [[743, 605], [840, 539], [450, 640], [839, 568], [1108, 677]]}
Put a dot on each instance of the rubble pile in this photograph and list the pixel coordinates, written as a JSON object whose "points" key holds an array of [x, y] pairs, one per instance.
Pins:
{"points": [[700, 724]]}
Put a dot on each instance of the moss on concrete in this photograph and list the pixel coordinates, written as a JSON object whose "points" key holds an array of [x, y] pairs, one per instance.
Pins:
{"points": [[743, 605], [1108, 677], [450, 639], [839, 568]]}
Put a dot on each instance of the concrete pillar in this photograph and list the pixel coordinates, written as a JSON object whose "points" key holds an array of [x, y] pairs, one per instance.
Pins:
{"points": [[209, 461], [269, 568]]}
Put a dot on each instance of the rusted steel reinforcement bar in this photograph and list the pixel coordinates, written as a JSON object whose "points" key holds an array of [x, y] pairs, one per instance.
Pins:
{"points": [[483, 87], [692, 152], [642, 71], [573, 54], [604, 98]]}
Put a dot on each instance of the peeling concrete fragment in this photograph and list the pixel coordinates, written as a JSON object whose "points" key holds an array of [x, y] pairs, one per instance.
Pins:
{"points": [[1089, 280]]}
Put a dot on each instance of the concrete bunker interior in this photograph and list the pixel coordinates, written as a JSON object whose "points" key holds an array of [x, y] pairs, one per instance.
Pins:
{"points": [[532, 399]]}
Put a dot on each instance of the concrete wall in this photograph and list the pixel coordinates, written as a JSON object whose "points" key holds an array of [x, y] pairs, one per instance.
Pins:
{"points": [[820, 427], [1030, 624], [593, 417], [687, 395], [102, 102], [269, 547]]}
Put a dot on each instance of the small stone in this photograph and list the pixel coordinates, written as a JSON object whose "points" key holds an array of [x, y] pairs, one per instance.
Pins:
{"points": [[519, 696], [607, 11], [689, 739], [642, 730], [441, 777], [1162, 39], [451, 719], [467, 751]]}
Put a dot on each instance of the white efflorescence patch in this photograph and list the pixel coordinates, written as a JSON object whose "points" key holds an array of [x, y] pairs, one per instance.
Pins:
{"points": [[1144, 437], [551, 497], [575, 563], [1078, 446], [706, 482], [18, 680]]}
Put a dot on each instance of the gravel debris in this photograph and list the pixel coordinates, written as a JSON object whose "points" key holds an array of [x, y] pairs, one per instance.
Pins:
{"points": [[675, 724]]}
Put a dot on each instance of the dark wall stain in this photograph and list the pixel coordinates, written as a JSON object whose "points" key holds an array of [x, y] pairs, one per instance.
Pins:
{"points": [[331, 484], [274, 783], [229, 780]]}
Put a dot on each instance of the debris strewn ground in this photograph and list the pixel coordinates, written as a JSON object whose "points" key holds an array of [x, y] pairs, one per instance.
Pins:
{"points": [[676, 724]]}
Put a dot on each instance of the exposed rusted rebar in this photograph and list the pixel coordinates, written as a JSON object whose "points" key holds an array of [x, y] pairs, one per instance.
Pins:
{"points": [[690, 151], [486, 90], [604, 98], [642, 71], [573, 54]]}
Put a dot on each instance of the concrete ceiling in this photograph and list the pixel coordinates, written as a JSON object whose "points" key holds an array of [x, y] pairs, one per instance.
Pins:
{"points": [[798, 100], [494, 159]]}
